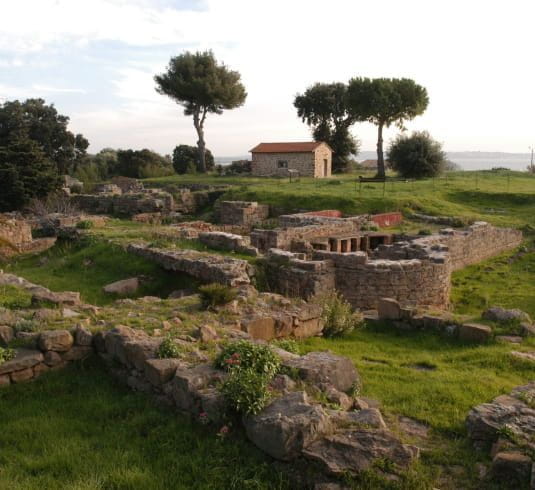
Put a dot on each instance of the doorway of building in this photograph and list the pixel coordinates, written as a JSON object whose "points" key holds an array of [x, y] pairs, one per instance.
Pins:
{"points": [[325, 167]]}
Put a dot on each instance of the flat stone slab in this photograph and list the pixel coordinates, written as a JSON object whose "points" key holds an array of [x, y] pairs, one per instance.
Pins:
{"points": [[525, 356], [24, 359]]}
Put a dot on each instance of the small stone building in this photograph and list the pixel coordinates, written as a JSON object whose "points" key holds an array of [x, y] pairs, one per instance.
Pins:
{"points": [[310, 159]]}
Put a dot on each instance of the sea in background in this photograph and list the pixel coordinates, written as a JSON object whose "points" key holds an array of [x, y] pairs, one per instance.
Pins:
{"points": [[467, 160]]}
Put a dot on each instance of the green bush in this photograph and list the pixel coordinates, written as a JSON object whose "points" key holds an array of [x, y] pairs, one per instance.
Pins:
{"points": [[425, 231], [216, 294], [168, 349], [84, 224], [6, 354], [417, 155], [24, 325], [251, 368], [246, 355], [288, 345], [338, 317], [13, 297]]}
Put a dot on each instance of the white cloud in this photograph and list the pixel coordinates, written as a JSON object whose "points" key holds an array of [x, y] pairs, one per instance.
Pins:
{"points": [[474, 58]]}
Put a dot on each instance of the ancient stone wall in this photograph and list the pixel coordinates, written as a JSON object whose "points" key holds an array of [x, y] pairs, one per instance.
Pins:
{"points": [[207, 268], [289, 274], [52, 349], [16, 238], [124, 204], [282, 238], [227, 241], [241, 212], [478, 242]]}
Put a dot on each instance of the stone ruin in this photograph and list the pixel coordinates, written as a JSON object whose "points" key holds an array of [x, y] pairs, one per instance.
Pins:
{"points": [[242, 213], [16, 238], [416, 272]]}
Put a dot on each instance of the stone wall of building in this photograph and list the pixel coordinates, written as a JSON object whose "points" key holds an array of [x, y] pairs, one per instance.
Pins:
{"points": [[243, 213], [322, 155], [208, 268], [266, 164]]}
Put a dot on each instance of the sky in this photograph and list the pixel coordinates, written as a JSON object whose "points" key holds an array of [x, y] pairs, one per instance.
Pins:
{"points": [[96, 59]]}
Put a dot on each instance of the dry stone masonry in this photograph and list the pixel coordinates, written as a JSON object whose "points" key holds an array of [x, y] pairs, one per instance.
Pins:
{"points": [[16, 238], [242, 213]]}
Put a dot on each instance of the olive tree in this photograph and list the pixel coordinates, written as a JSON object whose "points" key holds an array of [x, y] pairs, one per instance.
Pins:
{"points": [[201, 85], [383, 102]]}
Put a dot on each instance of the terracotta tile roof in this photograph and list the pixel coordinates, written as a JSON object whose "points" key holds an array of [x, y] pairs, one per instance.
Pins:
{"points": [[302, 147]]}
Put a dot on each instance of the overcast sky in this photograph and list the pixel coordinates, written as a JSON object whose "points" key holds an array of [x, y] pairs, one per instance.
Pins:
{"points": [[95, 60]]}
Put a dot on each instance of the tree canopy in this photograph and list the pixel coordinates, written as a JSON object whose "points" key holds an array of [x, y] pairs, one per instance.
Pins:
{"points": [[186, 159], [141, 164], [33, 119], [417, 155], [324, 108], [201, 85], [383, 102]]}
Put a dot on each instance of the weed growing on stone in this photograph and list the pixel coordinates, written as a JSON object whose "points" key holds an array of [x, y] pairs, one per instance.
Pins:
{"points": [[168, 349], [216, 295], [288, 345], [6, 354], [338, 317]]}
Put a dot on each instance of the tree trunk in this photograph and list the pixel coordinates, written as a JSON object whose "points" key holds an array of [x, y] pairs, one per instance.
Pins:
{"points": [[380, 156], [198, 123]]}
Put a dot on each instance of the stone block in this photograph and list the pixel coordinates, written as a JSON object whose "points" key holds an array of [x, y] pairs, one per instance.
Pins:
{"points": [[511, 467], [388, 309], [475, 332], [56, 340], [82, 336], [6, 334], [160, 371], [259, 328], [39, 369], [308, 328], [52, 358], [22, 375], [77, 353], [123, 287]]}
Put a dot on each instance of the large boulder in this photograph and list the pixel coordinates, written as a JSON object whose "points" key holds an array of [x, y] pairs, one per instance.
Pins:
{"points": [[124, 287], [319, 368], [286, 426], [356, 450], [56, 340], [502, 315]]}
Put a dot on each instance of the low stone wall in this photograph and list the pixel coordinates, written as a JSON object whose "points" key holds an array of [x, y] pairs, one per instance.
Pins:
{"points": [[241, 212], [52, 350], [227, 241], [16, 238], [476, 243], [124, 204], [207, 268], [190, 201]]}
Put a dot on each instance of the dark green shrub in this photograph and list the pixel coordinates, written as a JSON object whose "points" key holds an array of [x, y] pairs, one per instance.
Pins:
{"points": [[425, 231], [84, 225], [168, 349], [338, 317], [216, 294], [417, 155], [6, 354]]}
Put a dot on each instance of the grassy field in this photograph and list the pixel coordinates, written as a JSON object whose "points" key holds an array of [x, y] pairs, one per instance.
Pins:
{"points": [[77, 429], [422, 375]]}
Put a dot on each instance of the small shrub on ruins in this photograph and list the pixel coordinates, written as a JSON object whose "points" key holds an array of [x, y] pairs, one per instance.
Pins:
{"points": [[84, 224], [288, 345], [6, 354], [246, 355], [168, 349], [246, 390], [425, 231], [24, 325], [14, 298], [216, 295], [338, 317]]}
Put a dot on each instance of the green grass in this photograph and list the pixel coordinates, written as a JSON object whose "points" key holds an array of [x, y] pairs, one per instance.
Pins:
{"points": [[89, 265], [78, 429], [503, 198], [461, 377]]}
